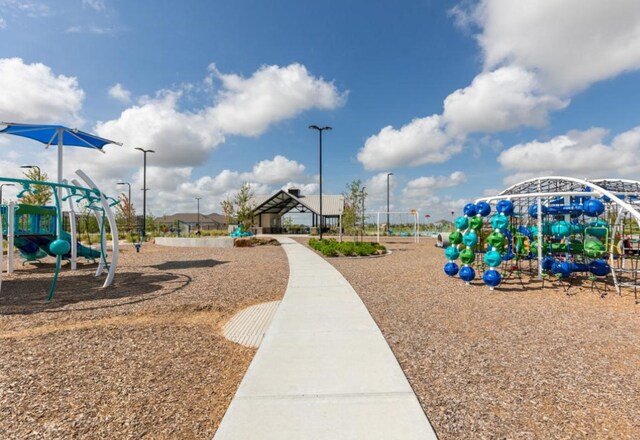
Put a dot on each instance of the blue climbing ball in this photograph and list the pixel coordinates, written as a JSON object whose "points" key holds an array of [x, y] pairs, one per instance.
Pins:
{"points": [[533, 210], [593, 207], [561, 268], [547, 262], [470, 238], [467, 274], [483, 208], [59, 247], [452, 253], [599, 268], [493, 258], [505, 207], [469, 210], [451, 269], [492, 278], [462, 223]]}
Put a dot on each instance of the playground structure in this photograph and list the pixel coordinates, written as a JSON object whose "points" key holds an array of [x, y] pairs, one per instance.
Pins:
{"points": [[562, 227], [37, 231]]}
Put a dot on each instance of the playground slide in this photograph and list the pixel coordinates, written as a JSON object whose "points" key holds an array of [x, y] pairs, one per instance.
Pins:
{"points": [[83, 251], [35, 247], [28, 249]]}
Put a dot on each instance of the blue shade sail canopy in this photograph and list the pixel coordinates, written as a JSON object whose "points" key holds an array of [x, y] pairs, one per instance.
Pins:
{"points": [[56, 135]]}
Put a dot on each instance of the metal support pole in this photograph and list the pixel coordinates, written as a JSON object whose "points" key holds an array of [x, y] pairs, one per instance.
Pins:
{"points": [[320, 130], [388, 226]]}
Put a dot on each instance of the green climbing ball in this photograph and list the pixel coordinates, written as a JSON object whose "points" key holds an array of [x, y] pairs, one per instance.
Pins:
{"points": [[475, 223], [594, 248], [455, 237], [467, 256], [495, 239]]}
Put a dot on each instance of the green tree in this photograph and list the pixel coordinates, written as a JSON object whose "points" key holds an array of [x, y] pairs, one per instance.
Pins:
{"points": [[352, 213], [244, 206], [41, 194], [125, 212], [227, 210]]}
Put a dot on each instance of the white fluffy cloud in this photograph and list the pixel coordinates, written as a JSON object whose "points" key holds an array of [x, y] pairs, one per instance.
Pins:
{"points": [[97, 5], [420, 142], [536, 55], [570, 44], [577, 153], [178, 138], [500, 100], [33, 93], [243, 107], [276, 171], [247, 106], [435, 182], [117, 91]]}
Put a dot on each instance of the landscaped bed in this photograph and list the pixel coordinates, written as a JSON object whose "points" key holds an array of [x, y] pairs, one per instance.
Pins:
{"points": [[333, 248], [511, 363], [143, 359]]}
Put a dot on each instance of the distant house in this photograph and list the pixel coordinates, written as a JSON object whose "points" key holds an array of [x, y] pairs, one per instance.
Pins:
{"points": [[207, 221]]}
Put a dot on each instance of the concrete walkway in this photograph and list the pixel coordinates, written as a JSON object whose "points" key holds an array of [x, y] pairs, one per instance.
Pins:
{"points": [[323, 370]]}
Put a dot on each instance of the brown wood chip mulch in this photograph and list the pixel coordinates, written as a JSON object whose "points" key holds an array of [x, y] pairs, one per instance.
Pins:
{"points": [[144, 358]]}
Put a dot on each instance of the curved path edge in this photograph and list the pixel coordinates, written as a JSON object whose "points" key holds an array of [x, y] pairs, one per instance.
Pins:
{"points": [[323, 371]]}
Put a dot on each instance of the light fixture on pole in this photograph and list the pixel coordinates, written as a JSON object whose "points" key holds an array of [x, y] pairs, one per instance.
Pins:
{"points": [[144, 190], [198, 224], [129, 201], [33, 166], [320, 130], [388, 174], [4, 184]]}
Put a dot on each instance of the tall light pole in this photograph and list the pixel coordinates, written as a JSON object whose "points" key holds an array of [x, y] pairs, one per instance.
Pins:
{"points": [[144, 190], [320, 130], [4, 184], [33, 166], [129, 199], [363, 195], [198, 224], [388, 174]]}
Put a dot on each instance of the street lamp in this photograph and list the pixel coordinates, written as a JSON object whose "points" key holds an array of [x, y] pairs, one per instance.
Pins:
{"points": [[33, 166], [388, 174], [198, 224], [320, 130], [144, 190], [129, 200], [363, 195], [4, 184]]}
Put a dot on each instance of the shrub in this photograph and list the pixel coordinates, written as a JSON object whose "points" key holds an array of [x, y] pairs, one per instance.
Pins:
{"points": [[332, 248]]}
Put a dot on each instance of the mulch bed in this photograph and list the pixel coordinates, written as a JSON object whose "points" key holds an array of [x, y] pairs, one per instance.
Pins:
{"points": [[144, 358]]}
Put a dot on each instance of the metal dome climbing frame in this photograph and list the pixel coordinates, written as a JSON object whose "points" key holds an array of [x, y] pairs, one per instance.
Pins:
{"points": [[621, 198]]}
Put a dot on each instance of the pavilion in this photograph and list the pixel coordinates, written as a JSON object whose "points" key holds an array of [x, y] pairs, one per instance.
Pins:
{"points": [[269, 210]]}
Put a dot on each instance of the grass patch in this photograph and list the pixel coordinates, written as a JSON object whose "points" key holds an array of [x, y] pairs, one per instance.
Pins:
{"points": [[333, 248]]}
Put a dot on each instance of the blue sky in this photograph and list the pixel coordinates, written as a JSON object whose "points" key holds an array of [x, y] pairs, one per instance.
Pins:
{"points": [[456, 98]]}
